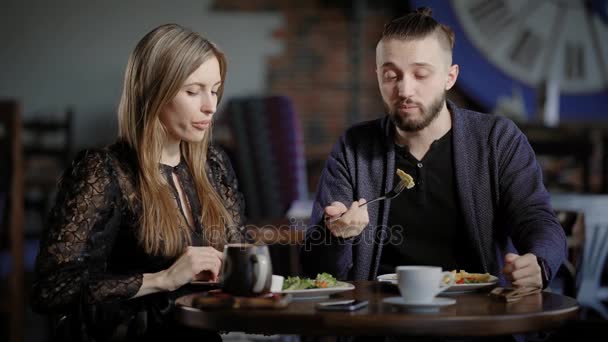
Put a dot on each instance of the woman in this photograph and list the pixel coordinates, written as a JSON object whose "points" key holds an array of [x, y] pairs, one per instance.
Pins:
{"points": [[150, 213]]}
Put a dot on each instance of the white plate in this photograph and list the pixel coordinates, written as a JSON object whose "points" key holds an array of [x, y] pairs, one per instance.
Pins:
{"points": [[461, 288], [319, 293], [456, 288], [388, 278], [432, 306]]}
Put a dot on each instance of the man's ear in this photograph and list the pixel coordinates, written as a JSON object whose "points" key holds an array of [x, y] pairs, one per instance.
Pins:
{"points": [[452, 76]]}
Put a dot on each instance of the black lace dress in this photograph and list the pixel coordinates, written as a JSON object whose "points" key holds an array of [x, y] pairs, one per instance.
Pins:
{"points": [[90, 262]]}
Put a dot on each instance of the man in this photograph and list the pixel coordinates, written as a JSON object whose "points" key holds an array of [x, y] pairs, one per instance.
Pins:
{"points": [[478, 204]]}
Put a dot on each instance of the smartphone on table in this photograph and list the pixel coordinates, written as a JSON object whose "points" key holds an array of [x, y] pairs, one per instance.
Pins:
{"points": [[342, 305]]}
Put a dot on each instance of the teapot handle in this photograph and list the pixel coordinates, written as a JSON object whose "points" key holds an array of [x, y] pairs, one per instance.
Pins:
{"points": [[261, 272]]}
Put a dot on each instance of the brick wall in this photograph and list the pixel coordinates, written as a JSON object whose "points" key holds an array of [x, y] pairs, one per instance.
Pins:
{"points": [[317, 68]]}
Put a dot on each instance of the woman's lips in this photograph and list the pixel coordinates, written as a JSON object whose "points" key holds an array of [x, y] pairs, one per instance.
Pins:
{"points": [[201, 125]]}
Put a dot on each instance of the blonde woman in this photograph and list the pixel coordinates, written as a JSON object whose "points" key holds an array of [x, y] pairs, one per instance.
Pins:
{"points": [[144, 216]]}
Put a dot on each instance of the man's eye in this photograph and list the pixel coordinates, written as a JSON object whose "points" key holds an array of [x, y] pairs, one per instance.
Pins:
{"points": [[421, 76]]}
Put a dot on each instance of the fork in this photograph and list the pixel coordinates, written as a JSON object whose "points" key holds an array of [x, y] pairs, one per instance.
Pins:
{"points": [[398, 189]]}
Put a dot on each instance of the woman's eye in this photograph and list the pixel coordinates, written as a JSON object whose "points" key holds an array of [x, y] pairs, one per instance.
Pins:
{"points": [[214, 93], [190, 92]]}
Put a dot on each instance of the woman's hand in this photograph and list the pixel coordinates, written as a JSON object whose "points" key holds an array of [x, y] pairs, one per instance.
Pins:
{"points": [[197, 263]]}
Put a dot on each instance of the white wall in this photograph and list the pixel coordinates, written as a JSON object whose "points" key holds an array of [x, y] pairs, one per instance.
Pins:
{"points": [[63, 53]]}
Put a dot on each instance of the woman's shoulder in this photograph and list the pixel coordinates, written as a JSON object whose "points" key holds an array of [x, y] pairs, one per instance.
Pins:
{"points": [[219, 165], [95, 158], [215, 151], [106, 159], [217, 157], [89, 172]]}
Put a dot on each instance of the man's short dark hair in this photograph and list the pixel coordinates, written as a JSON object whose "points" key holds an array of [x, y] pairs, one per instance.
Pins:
{"points": [[417, 25]]}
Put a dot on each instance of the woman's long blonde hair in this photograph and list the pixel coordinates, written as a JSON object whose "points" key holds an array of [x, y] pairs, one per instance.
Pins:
{"points": [[157, 69]]}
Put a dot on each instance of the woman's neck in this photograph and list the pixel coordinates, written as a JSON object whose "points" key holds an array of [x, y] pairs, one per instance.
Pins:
{"points": [[171, 154]]}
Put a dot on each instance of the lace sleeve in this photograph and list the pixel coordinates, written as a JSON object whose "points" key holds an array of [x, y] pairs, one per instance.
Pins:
{"points": [[226, 184], [78, 238]]}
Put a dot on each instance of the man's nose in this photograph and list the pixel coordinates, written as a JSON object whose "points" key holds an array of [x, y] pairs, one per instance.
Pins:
{"points": [[405, 88]]}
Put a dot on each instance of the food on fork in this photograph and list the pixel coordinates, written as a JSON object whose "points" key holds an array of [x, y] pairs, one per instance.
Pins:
{"points": [[409, 180], [463, 277]]}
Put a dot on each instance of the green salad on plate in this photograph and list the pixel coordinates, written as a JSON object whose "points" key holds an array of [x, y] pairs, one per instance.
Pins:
{"points": [[322, 281]]}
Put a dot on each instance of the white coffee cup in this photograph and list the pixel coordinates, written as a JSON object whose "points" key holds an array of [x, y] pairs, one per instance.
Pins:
{"points": [[420, 284], [277, 283]]}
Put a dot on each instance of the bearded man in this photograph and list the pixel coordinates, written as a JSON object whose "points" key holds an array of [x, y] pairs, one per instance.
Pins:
{"points": [[478, 203]]}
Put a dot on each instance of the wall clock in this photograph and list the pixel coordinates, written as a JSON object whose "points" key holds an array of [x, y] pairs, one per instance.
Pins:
{"points": [[502, 45]]}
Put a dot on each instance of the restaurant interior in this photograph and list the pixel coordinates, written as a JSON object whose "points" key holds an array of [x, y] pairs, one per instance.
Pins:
{"points": [[300, 73]]}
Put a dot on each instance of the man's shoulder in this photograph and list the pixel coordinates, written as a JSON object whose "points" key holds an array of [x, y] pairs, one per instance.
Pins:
{"points": [[473, 121], [368, 129]]}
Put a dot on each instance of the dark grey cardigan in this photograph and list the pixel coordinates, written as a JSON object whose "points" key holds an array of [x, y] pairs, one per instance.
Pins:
{"points": [[499, 183]]}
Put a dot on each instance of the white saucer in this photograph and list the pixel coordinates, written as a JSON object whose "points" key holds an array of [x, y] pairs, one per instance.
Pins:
{"points": [[391, 278], [432, 306]]}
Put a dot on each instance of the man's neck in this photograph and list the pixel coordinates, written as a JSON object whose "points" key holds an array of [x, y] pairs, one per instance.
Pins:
{"points": [[420, 142]]}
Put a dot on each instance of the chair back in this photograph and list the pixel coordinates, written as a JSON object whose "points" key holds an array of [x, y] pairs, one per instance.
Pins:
{"points": [[593, 289], [268, 154], [571, 146], [573, 223], [11, 216]]}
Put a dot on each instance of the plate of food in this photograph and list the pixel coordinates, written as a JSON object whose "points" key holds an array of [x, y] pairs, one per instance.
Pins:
{"points": [[388, 278], [323, 286], [468, 282], [463, 281]]}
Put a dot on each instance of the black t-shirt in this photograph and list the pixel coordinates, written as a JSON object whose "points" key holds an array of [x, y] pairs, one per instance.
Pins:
{"points": [[425, 223]]}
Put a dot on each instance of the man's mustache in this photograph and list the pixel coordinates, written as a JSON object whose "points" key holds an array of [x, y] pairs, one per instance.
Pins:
{"points": [[407, 101]]}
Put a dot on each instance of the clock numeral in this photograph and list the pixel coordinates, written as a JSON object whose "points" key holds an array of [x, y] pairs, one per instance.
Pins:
{"points": [[574, 58], [491, 16], [527, 49], [542, 40]]}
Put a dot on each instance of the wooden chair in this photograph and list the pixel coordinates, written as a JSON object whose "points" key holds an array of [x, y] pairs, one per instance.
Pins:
{"points": [[593, 291], [562, 142], [284, 239], [573, 223], [267, 153], [586, 269], [47, 152], [12, 224], [605, 163]]}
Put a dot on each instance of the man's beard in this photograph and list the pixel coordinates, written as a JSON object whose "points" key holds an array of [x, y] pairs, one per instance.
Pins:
{"points": [[428, 115]]}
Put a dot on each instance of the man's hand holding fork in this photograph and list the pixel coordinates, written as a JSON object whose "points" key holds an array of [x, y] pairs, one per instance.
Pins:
{"points": [[346, 222]]}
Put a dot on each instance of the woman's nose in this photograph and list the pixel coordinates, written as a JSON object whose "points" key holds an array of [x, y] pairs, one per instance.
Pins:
{"points": [[208, 104]]}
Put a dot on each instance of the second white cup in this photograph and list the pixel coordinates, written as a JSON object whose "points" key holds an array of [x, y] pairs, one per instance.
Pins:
{"points": [[420, 284]]}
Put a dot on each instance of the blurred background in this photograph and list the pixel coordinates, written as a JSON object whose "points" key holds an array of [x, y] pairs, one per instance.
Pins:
{"points": [[300, 73]]}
